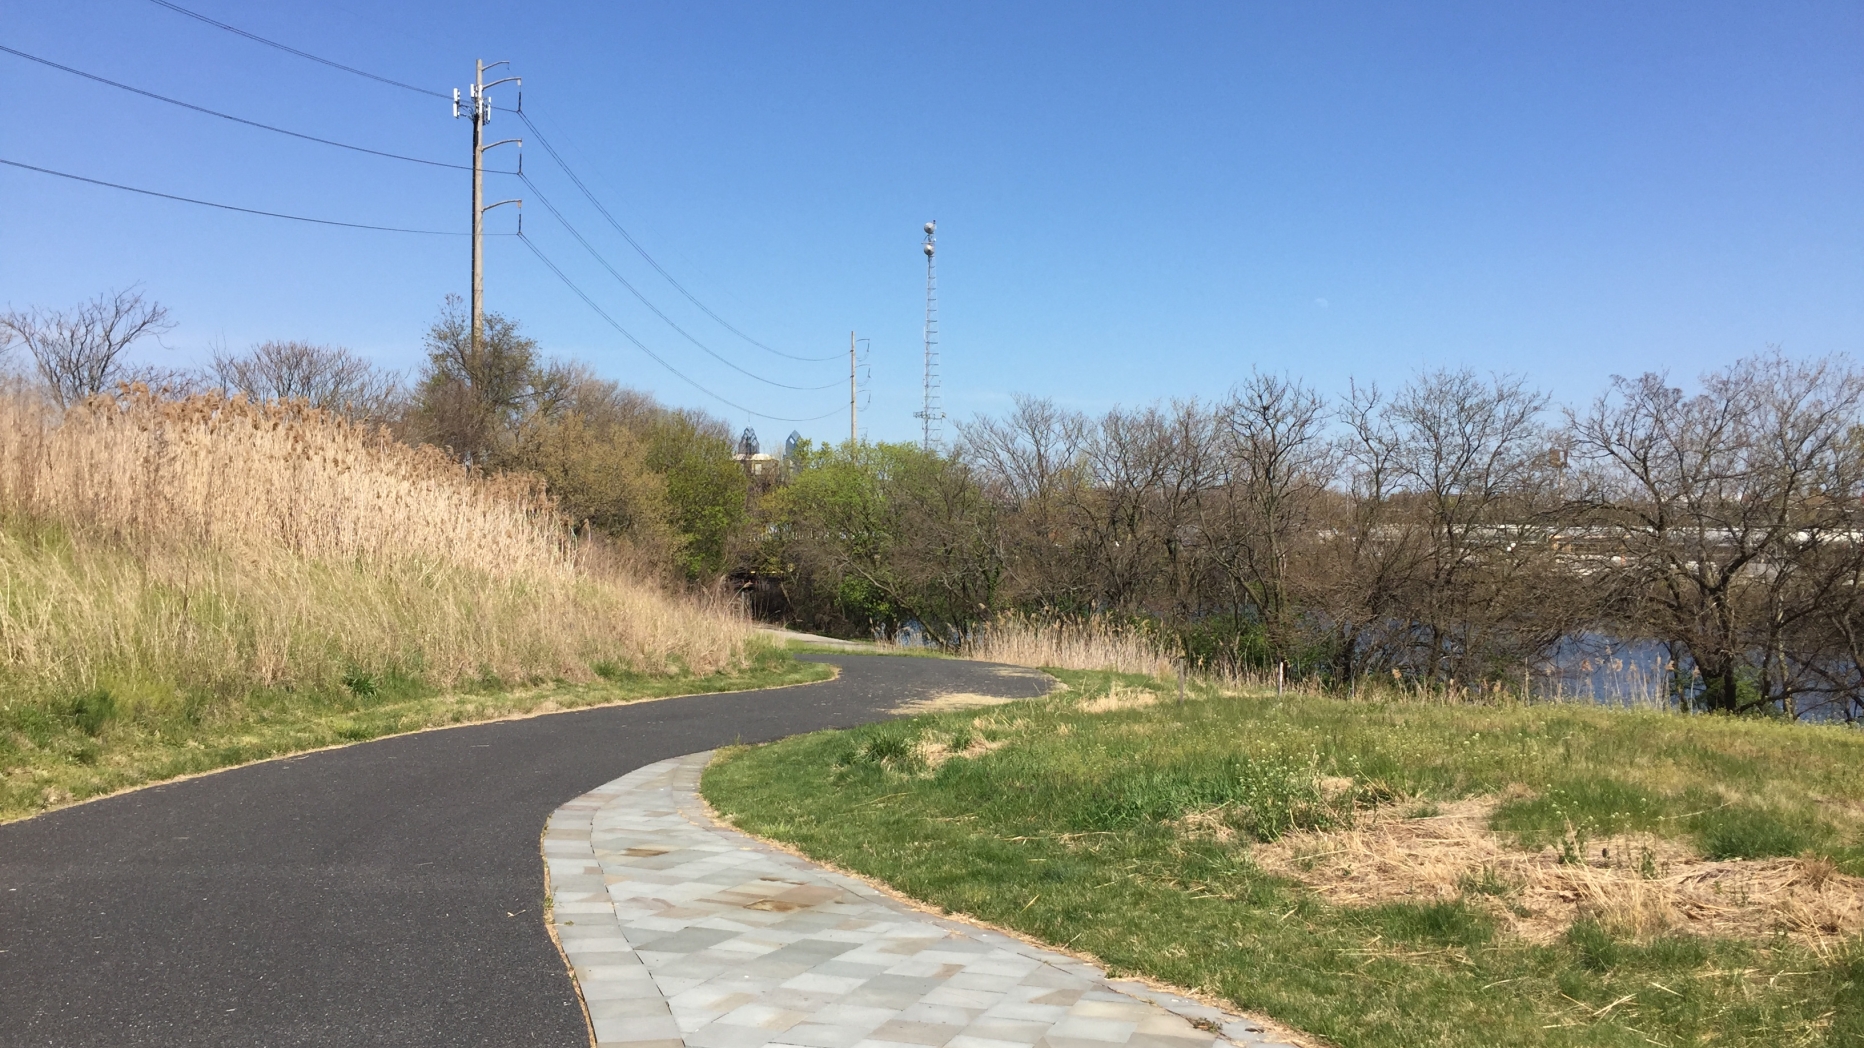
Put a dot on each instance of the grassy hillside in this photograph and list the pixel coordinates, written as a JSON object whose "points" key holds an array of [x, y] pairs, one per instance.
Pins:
{"points": [[185, 585], [1378, 874]]}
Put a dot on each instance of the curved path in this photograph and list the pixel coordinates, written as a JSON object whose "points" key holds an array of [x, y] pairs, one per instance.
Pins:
{"points": [[386, 893], [685, 933]]}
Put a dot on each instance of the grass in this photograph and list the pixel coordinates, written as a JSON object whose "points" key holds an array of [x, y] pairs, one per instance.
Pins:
{"points": [[186, 585], [1112, 821], [53, 755]]}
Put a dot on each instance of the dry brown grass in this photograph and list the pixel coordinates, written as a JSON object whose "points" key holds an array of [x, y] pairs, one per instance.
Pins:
{"points": [[1097, 644], [934, 753], [951, 700], [231, 475], [1637, 884], [157, 547], [1075, 645], [1119, 697]]}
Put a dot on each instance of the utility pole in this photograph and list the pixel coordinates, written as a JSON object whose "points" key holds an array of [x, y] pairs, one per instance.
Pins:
{"points": [[481, 105], [852, 429]]}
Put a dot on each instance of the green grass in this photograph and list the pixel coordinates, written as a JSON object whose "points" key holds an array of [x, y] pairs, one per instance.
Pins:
{"points": [[1063, 831], [90, 745]]}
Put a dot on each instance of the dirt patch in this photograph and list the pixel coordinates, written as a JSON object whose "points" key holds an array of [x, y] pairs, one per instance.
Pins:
{"points": [[1636, 884]]}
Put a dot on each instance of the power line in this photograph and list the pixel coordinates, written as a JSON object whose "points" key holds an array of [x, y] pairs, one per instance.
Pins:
{"points": [[178, 9], [625, 235], [231, 207], [197, 16], [623, 281], [638, 344], [229, 116], [542, 139]]}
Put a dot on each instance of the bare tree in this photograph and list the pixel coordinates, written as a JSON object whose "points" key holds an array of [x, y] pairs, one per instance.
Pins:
{"points": [[1280, 462], [1731, 520], [1030, 465], [1456, 568], [327, 377], [475, 396], [1372, 552], [1135, 517], [80, 351]]}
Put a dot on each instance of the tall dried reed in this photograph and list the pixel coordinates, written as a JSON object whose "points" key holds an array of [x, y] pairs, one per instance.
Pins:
{"points": [[1099, 644], [174, 549], [229, 474], [1074, 644]]}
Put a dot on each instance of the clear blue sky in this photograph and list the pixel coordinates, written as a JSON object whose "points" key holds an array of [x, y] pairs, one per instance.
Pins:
{"points": [[1135, 200]]}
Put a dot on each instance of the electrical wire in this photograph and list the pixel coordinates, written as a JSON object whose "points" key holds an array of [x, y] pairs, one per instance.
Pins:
{"points": [[638, 344], [178, 9], [197, 16], [544, 141], [231, 207], [236, 119], [623, 281]]}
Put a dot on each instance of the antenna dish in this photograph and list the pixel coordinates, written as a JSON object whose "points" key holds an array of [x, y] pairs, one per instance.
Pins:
{"points": [[931, 227]]}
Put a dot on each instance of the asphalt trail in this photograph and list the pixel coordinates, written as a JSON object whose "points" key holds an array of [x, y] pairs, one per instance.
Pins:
{"points": [[386, 893]]}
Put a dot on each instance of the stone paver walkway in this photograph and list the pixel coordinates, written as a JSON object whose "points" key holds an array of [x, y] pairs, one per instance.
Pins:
{"points": [[685, 933]]}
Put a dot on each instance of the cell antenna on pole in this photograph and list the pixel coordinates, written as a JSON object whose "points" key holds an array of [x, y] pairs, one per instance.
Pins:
{"points": [[481, 104], [932, 414]]}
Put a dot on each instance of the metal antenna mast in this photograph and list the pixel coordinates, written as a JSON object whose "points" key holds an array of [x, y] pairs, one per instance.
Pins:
{"points": [[481, 114], [932, 414]]}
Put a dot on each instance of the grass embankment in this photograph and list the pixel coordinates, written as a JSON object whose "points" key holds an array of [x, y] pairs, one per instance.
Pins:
{"points": [[1381, 875], [185, 586]]}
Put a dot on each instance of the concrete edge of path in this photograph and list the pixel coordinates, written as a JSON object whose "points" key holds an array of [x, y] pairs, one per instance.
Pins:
{"points": [[641, 990], [834, 672]]}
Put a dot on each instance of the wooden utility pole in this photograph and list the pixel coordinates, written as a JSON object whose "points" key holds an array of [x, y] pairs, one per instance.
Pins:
{"points": [[481, 105], [853, 430]]}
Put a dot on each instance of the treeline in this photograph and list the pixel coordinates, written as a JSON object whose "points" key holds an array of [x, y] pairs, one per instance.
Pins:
{"points": [[1454, 533]]}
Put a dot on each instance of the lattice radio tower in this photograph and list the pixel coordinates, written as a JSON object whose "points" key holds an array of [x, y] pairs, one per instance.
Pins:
{"points": [[932, 414]]}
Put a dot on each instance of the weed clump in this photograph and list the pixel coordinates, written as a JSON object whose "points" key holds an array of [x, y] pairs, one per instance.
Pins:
{"points": [[91, 711]]}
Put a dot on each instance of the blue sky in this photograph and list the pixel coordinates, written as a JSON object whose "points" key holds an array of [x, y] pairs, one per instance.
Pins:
{"points": [[1135, 201]]}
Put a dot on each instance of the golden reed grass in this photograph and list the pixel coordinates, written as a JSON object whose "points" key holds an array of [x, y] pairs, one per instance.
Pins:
{"points": [[1095, 643], [1090, 644], [275, 477], [154, 547]]}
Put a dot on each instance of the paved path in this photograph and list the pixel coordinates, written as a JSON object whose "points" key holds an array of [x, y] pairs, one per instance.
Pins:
{"points": [[685, 934], [783, 636], [382, 894]]}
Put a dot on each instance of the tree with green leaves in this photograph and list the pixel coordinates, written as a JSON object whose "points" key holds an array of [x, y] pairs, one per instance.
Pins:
{"points": [[873, 538]]}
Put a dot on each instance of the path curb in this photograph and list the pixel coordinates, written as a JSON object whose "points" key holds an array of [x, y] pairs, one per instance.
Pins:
{"points": [[613, 856]]}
